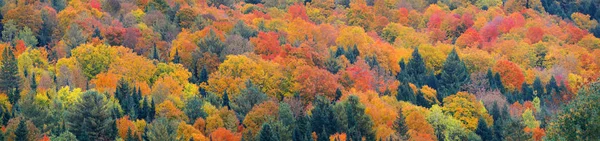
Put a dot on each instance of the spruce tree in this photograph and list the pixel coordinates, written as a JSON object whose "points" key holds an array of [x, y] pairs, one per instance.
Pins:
{"points": [[32, 83], [416, 70], [538, 88], [323, 117], [176, 57], [155, 54], [9, 77], [267, 134], [225, 100], [400, 125], [89, 119], [359, 124], [402, 76], [454, 74], [340, 51], [338, 94], [302, 129], [405, 93], [203, 75], [527, 92], [21, 133], [484, 131], [551, 86]]}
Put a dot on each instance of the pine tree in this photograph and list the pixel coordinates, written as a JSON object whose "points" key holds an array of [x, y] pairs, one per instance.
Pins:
{"points": [[402, 76], [359, 124], [155, 54], [416, 70], [21, 133], [538, 88], [302, 129], [176, 57], [551, 86], [89, 119], [203, 75], [152, 112], [400, 125], [33, 83], [498, 83], [9, 77], [122, 92], [421, 101], [454, 74], [484, 131], [340, 51], [405, 93], [130, 135], [432, 81], [97, 33], [490, 78], [526, 92], [267, 134], [323, 117], [338, 94], [225, 100]]}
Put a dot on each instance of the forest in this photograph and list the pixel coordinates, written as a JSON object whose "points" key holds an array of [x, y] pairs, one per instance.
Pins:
{"points": [[299, 70]]}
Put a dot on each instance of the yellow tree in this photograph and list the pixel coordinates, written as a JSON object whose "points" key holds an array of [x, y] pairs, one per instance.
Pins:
{"points": [[464, 107]]}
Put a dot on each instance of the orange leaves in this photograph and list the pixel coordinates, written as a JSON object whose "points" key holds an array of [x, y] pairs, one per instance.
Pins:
{"points": [[535, 34], [538, 133], [313, 81], [124, 125], [418, 127], [470, 38], [222, 134], [511, 74], [267, 45], [382, 113], [298, 11], [105, 82], [167, 109]]}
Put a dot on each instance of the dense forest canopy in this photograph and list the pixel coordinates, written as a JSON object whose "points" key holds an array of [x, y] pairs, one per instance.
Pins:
{"points": [[293, 70]]}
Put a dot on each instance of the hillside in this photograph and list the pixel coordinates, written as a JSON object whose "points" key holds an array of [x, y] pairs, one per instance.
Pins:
{"points": [[272, 70]]}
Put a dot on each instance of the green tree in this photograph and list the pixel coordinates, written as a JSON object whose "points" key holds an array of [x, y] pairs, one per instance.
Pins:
{"points": [[405, 93], [21, 133], [176, 57], [89, 119], [10, 32], [248, 97], [211, 43], [162, 129], [579, 119], [322, 118], [65, 136], [155, 55], [9, 77], [359, 124], [193, 109], [454, 74], [538, 88], [28, 37], [244, 30], [416, 70], [225, 100], [267, 134], [400, 126], [286, 118], [484, 131], [338, 94]]}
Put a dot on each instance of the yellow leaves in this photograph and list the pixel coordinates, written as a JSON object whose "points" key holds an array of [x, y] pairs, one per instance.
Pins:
{"points": [[4, 101], [138, 14], [237, 69], [93, 59], [167, 109], [353, 35], [583, 21], [124, 125], [105, 82], [299, 30], [464, 107], [132, 67], [69, 97], [186, 132], [430, 94]]}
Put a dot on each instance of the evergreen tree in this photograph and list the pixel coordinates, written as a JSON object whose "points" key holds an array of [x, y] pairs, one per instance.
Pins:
{"points": [[176, 57], [339, 51], [59, 5], [89, 119], [402, 76], [97, 33], [48, 26], [10, 32], [123, 93], [498, 85], [551, 86], [155, 54], [322, 118], [211, 43], [32, 83], [432, 81], [421, 101], [152, 113], [244, 30], [22, 133], [332, 65], [490, 79], [405, 93], [287, 121], [359, 124], [130, 136], [267, 134], [74, 37], [454, 74], [527, 92], [352, 54], [338, 94], [484, 131], [203, 75], [400, 125], [225, 100], [248, 97], [416, 70], [302, 129], [9, 77], [538, 88]]}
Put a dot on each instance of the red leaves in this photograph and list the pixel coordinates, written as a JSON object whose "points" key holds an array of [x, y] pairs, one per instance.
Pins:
{"points": [[470, 38], [298, 11], [511, 75], [535, 34], [267, 45]]}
